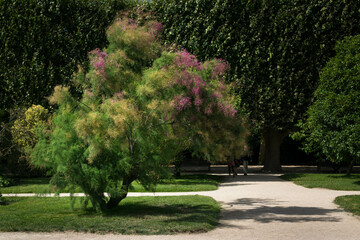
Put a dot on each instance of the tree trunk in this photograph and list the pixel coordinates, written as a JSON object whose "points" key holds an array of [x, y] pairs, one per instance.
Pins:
{"points": [[262, 150], [114, 201], [350, 167], [98, 201], [177, 168], [272, 139]]}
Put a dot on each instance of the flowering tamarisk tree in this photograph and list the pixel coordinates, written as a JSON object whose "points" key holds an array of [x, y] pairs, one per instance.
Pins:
{"points": [[141, 107]]}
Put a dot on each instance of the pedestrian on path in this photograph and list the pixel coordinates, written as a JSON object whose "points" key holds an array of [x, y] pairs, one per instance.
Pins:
{"points": [[233, 166], [246, 158]]}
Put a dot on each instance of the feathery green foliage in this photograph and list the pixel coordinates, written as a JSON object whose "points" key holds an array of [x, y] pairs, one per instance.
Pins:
{"points": [[133, 119]]}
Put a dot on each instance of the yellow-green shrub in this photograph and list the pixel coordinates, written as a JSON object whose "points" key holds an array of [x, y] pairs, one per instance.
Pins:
{"points": [[23, 131]]}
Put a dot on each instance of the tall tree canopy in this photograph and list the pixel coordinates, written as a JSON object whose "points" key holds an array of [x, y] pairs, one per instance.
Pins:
{"points": [[333, 124], [140, 108], [275, 49]]}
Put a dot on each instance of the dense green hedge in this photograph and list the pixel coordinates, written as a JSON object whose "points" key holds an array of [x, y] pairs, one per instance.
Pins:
{"points": [[275, 47], [43, 41]]}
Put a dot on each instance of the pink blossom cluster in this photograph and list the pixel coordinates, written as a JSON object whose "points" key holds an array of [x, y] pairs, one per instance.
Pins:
{"points": [[216, 95], [195, 86], [157, 27], [228, 110], [117, 97], [182, 102], [222, 86], [98, 60], [197, 94], [193, 82], [198, 101], [220, 68], [209, 109], [184, 59]]}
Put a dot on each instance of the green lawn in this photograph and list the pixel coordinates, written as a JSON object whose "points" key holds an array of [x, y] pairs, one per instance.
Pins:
{"points": [[349, 203], [329, 181], [29, 185], [135, 215], [185, 183]]}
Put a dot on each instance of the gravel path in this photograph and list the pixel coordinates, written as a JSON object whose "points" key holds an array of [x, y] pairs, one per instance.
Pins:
{"points": [[257, 206]]}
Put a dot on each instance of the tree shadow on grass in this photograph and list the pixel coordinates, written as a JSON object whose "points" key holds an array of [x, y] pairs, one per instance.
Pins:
{"points": [[259, 177], [200, 177], [250, 179], [235, 184], [189, 183], [143, 208], [197, 218], [196, 179], [353, 177], [344, 176], [31, 181], [268, 210], [292, 176]]}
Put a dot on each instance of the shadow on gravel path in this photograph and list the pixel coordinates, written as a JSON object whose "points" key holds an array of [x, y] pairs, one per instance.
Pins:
{"points": [[259, 210]]}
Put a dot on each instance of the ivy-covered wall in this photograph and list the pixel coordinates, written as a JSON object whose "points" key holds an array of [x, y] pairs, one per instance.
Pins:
{"points": [[43, 41], [275, 48]]}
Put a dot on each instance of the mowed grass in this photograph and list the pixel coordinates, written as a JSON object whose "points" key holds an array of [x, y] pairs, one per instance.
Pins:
{"points": [[185, 183], [135, 215], [349, 203], [29, 185], [329, 181]]}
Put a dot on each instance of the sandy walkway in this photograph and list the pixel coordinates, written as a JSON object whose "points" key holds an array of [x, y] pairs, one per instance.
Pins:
{"points": [[256, 206]]}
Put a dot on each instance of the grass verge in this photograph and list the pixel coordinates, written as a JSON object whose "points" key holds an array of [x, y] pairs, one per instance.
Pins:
{"points": [[185, 183], [349, 203], [137, 215], [329, 181]]}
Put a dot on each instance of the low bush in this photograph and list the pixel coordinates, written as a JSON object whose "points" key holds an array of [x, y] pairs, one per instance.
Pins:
{"points": [[5, 182], [23, 130]]}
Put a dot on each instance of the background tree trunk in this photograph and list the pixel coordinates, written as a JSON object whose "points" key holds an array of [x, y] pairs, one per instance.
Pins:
{"points": [[270, 149], [262, 150], [350, 168]]}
